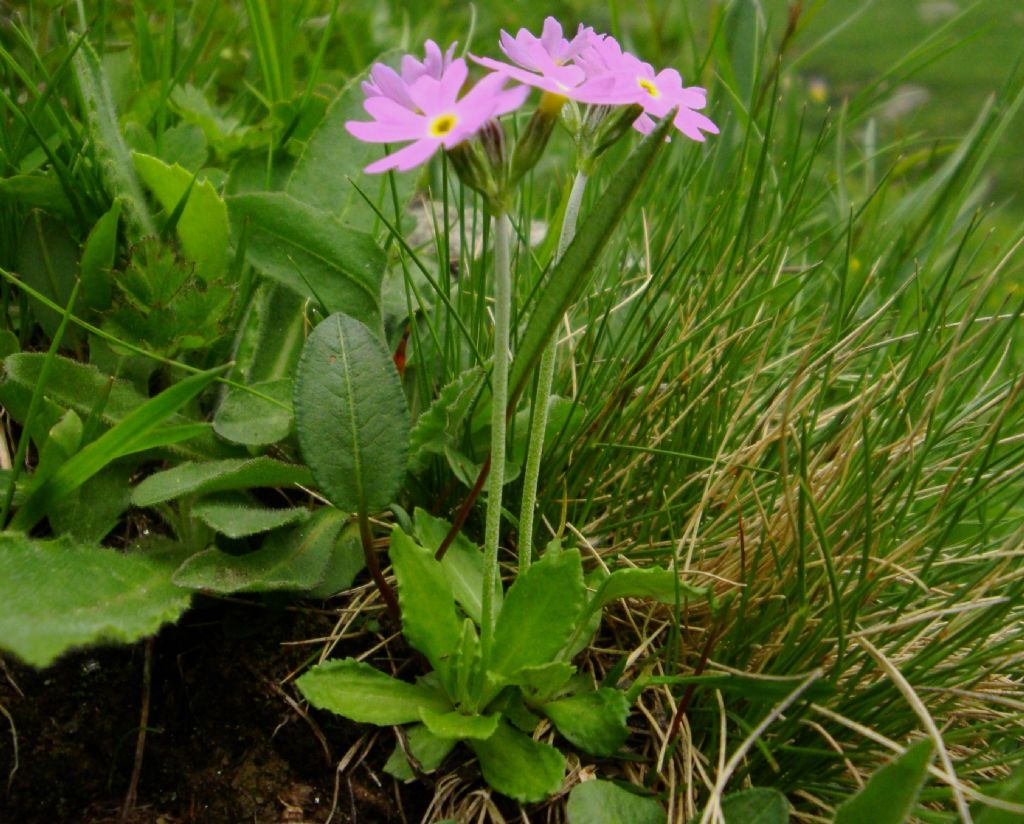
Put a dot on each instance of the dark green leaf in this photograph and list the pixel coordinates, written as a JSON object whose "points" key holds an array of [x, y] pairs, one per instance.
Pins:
{"points": [[361, 693], [519, 767], [248, 419], [312, 253], [346, 562], [48, 262], [98, 259], [758, 805], [602, 802], [56, 595], [428, 750], [218, 476], [890, 794], [350, 415], [594, 721], [293, 559], [1011, 790], [238, 519]]}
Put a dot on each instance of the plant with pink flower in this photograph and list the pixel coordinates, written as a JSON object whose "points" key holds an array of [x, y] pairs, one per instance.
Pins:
{"points": [[438, 117], [386, 82]]}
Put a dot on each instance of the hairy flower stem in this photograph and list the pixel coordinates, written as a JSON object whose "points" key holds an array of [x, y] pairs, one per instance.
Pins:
{"points": [[499, 400], [542, 400]]}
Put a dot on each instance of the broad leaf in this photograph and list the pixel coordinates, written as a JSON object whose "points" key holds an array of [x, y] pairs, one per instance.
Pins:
{"points": [[115, 161], [758, 805], [441, 425], [203, 224], [345, 563], [361, 693], [572, 272], [293, 559], [126, 437], [351, 416], [56, 595], [594, 721], [428, 750], [313, 254], [662, 585], [463, 563], [519, 767], [248, 419], [429, 620], [238, 519], [544, 679], [218, 476], [455, 725], [540, 612], [98, 259], [332, 156], [891, 792], [48, 262], [602, 802]]}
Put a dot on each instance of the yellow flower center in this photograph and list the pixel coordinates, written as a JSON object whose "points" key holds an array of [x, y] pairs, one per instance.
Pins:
{"points": [[648, 87], [441, 125]]}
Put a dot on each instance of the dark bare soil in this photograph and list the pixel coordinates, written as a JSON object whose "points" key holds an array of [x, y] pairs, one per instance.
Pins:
{"points": [[222, 745]]}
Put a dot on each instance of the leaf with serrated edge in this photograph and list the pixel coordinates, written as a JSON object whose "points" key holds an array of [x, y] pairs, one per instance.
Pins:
{"points": [[238, 519], [594, 721], [602, 802], [361, 693], [459, 726], [890, 794], [351, 416], [57, 595], [519, 767], [540, 612], [293, 559], [429, 620]]}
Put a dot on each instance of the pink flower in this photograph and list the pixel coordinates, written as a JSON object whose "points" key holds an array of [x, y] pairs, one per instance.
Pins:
{"points": [[386, 82], [630, 80], [544, 62], [437, 117]]}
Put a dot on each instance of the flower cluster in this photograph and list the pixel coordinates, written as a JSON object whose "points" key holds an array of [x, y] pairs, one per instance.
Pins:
{"points": [[421, 104]]}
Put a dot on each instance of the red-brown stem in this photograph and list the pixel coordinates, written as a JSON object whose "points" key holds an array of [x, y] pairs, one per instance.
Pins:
{"points": [[386, 592], [467, 505], [684, 704]]}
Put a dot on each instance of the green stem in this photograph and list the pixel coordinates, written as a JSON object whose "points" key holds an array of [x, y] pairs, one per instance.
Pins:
{"points": [[499, 400], [542, 400]]}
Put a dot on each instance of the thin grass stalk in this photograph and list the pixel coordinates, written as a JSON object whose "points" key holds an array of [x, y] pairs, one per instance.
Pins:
{"points": [[542, 400]]}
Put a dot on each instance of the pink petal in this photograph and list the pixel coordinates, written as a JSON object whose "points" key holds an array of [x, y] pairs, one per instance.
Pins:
{"points": [[453, 79], [377, 132], [390, 111], [551, 37], [391, 85], [406, 158], [426, 93]]}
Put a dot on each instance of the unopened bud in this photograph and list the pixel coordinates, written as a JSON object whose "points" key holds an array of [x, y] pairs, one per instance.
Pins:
{"points": [[535, 136]]}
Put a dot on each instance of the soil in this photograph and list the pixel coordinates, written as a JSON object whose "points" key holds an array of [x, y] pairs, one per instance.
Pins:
{"points": [[223, 743]]}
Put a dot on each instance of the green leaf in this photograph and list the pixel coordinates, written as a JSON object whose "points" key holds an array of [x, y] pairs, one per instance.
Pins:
{"points": [[56, 595], [1011, 790], [519, 767], [429, 621], [425, 747], [238, 519], [98, 255], [455, 725], [293, 559], [124, 438], [463, 563], [332, 156], [115, 161], [93, 510], [543, 679], [361, 693], [36, 190], [662, 585], [48, 262], [540, 612], [441, 426], [594, 721], [346, 562], [351, 416], [218, 476], [203, 225], [603, 802], [247, 419], [572, 272], [891, 792], [758, 805], [313, 254]]}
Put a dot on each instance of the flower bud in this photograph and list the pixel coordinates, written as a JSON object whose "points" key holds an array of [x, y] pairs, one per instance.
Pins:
{"points": [[473, 161], [535, 136]]}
